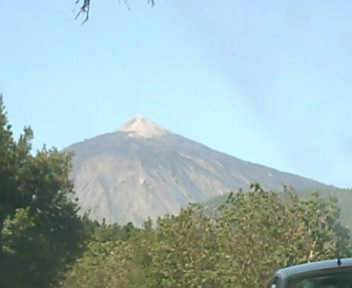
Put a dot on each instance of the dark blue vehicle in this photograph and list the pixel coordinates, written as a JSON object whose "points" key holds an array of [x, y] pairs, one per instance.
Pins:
{"points": [[323, 274]]}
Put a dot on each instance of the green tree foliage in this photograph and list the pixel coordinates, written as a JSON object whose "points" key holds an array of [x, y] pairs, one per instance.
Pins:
{"points": [[102, 232], [254, 234], [115, 257], [105, 264], [40, 231], [185, 251], [262, 232]]}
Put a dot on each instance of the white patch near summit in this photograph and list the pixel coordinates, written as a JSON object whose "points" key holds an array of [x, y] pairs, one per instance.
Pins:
{"points": [[140, 126]]}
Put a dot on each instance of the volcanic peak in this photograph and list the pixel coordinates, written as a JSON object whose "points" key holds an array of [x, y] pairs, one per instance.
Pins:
{"points": [[140, 126]]}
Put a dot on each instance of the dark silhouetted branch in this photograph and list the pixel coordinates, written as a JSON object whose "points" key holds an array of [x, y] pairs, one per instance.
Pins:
{"points": [[84, 9], [86, 6]]}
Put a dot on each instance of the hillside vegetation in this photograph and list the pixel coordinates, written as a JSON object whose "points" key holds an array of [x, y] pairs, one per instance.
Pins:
{"points": [[44, 243], [342, 196]]}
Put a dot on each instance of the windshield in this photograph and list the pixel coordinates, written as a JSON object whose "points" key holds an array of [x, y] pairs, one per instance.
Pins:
{"points": [[335, 280]]}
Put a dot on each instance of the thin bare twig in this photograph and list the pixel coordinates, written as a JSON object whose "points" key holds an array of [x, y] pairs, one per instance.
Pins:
{"points": [[150, 2], [86, 6], [84, 9], [126, 4]]}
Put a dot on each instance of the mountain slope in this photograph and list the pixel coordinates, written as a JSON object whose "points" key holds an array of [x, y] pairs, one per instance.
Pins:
{"points": [[145, 170]]}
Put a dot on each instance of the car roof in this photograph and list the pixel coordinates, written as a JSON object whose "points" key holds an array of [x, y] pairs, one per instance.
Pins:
{"points": [[340, 264]]}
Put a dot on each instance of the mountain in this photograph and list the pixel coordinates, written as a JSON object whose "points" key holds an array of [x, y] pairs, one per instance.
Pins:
{"points": [[144, 170]]}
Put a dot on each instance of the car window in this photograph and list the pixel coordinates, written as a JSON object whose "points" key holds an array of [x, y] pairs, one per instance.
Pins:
{"points": [[336, 280]]}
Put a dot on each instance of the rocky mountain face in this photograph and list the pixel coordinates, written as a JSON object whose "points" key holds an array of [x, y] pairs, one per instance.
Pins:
{"points": [[143, 170]]}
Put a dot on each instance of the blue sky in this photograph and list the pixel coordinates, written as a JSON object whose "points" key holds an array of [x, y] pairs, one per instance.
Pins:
{"points": [[265, 81]]}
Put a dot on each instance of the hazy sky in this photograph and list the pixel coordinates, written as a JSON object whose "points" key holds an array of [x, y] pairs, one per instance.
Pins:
{"points": [[266, 81]]}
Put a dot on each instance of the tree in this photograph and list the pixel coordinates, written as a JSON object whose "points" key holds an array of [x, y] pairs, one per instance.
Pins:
{"points": [[115, 257], [85, 7], [104, 264], [262, 232], [40, 231], [185, 251], [254, 234]]}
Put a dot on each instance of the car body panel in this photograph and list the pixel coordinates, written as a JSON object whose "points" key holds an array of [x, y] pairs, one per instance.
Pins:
{"points": [[336, 270]]}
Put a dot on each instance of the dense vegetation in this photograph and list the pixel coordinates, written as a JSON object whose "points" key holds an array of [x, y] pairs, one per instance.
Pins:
{"points": [[44, 243], [254, 234], [343, 197], [40, 232]]}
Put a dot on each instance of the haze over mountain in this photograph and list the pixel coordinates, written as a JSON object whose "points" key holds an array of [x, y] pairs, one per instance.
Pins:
{"points": [[144, 170]]}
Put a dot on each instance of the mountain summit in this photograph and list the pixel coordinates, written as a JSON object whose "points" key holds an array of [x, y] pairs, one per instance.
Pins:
{"points": [[140, 126], [144, 170]]}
